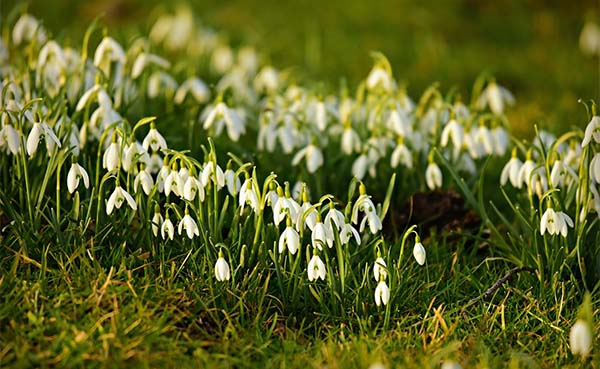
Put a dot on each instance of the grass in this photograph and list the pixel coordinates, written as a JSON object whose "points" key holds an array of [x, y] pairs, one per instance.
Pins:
{"points": [[83, 289]]}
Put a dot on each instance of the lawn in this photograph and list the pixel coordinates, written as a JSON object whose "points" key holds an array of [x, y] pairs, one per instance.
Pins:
{"points": [[299, 185]]}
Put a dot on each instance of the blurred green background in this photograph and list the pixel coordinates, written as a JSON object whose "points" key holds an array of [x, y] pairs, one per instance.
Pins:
{"points": [[532, 47]]}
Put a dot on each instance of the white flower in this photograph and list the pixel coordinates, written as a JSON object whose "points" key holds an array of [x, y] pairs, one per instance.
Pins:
{"points": [[525, 172], [26, 28], [455, 131], [249, 195], [348, 231], [285, 205], [359, 167], [316, 268], [484, 138], [214, 173], [290, 238], [401, 154], [222, 116], [500, 140], [173, 183], [350, 141], [167, 229], [561, 174], [449, 364], [117, 198], [433, 176], [334, 217], [555, 222], [222, 59], [380, 269], [233, 182], [589, 40], [41, 130], [307, 213], [145, 59], [75, 173], [495, 97], [399, 122], [374, 222], [190, 226], [314, 157], [12, 137], [379, 78], [145, 179], [511, 171], [110, 160], [382, 294], [321, 235], [191, 187], [107, 52], [267, 80], [196, 87], [580, 338], [419, 253], [161, 84], [592, 131], [157, 221], [154, 140], [222, 272], [594, 168]]}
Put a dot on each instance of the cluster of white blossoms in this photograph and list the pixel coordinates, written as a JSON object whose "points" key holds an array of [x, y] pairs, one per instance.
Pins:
{"points": [[553, 169]]}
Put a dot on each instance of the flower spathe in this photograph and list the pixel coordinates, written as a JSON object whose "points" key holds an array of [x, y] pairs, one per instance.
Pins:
{"points": [[117, 198]]}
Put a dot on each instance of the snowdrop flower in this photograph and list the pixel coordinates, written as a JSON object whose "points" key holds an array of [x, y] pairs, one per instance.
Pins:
{"points": [[26, 28], [321, 235], [500, 140], [346, 232], [334, 217], [222, 116], [222, 272], [107, 52], [399, 123], [419, 251], [592, 130], [359, 167], [449, 364], [454, 131], [11, 137], [145, 59], [511, 171], [316, 268], [174, 183], [589, 40], [561, 174], [117, 198], [134, 153], [222, 59], [380, 78], [555, 222], [161, 84], [595, 168], [496, 97], [233, 182], [76, 173], [110, 160], [401, 155], [145, 179], [382, 294], [307, 215], [189, 224], [267, 80], [249, 195], [289, 238], [214, 173], [580, 338], [526, 170], [196, 87], [192, 187], [154, 139], [314, 158], [38, 131], [350, 141], [484, 138], [157, 221], [433, 176], [380, 269], [167, 229]]}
